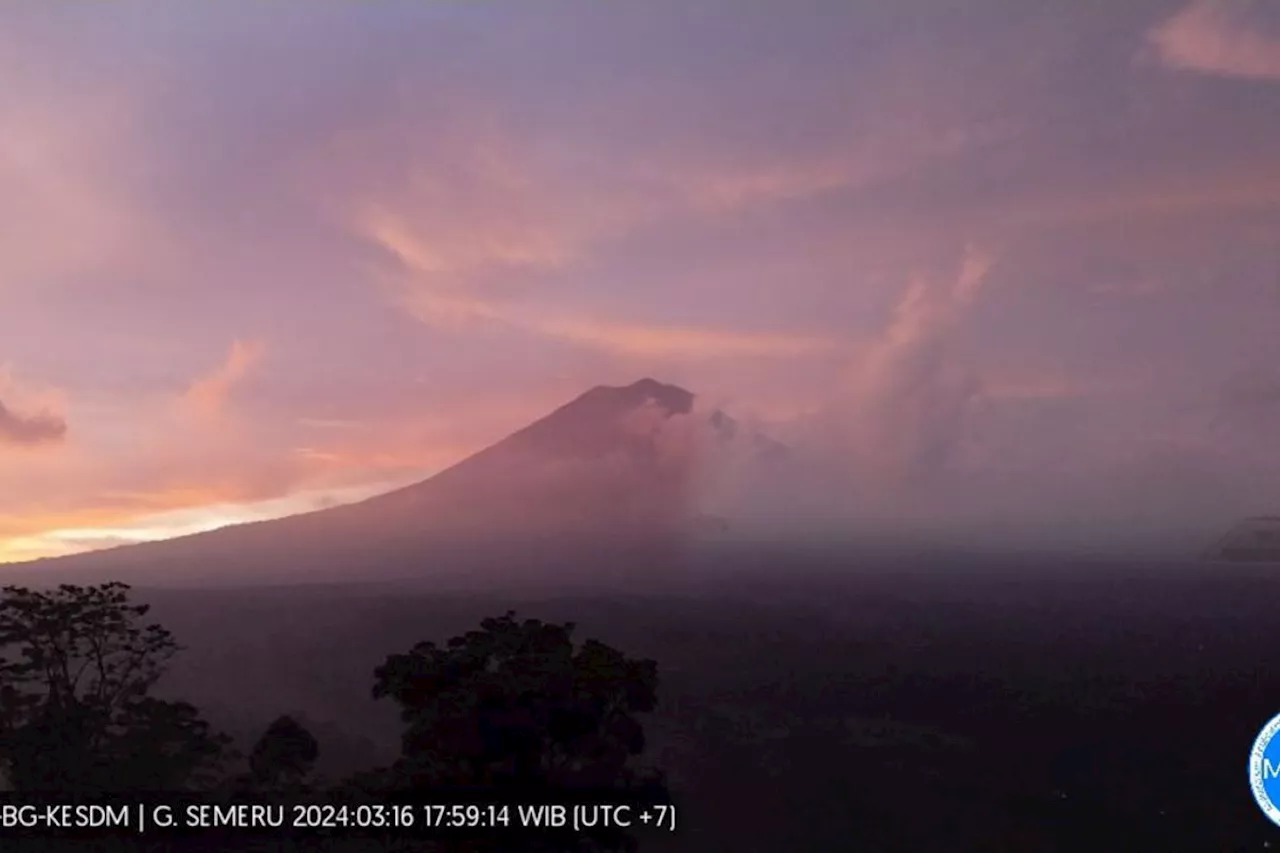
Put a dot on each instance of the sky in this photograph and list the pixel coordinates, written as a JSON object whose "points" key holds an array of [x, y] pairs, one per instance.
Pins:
{"points": [[1016, 262]]}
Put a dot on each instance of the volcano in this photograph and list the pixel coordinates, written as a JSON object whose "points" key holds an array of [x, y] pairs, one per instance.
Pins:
{"points": [[611, 462], [609, 478]]}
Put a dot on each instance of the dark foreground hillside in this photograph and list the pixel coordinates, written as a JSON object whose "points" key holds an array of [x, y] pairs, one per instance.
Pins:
{"points": [[844, 703]]}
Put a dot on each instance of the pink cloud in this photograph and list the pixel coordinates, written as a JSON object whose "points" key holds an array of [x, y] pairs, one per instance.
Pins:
{"points": [[1222, 38], [30, 429], [209, 393], [30, 416]]}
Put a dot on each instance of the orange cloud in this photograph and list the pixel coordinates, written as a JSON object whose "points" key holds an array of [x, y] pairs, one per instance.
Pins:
{"points": [[462, 251], [31, 537], [718, 191], [437, 291], [655, 341], [196, 498], [25, 524], [210, 393], [1216, 37], [37, 533], [678, 341]]}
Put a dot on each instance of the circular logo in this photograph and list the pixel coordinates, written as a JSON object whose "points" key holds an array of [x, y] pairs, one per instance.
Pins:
{"points": [[1264, 769]]}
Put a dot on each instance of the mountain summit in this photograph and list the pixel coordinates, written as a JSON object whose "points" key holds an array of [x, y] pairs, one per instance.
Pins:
{"points": [[672, 398], [596, 421], [611, 460]]}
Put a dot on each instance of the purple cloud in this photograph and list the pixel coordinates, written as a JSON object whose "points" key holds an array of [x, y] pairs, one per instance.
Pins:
{"points": [[30, 430]]}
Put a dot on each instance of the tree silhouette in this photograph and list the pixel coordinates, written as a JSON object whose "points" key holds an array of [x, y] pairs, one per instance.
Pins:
{"points": [[517, 709], [76, 666], [284, 756]]}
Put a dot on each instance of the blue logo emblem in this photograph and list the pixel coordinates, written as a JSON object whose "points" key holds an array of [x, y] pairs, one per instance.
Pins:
{"points": [[1264, 769]]}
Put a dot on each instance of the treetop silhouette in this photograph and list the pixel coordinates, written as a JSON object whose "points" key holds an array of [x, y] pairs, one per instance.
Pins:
{"points": [[76, 667]]}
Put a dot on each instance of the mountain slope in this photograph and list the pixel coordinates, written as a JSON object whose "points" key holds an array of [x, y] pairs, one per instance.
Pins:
{"points": [[596, 464], [610, 477]]}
